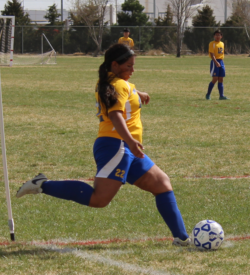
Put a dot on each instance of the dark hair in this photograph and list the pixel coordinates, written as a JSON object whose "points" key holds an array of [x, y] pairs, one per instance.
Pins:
{"points": [[106, 92], [126, 30], [218, 31]]}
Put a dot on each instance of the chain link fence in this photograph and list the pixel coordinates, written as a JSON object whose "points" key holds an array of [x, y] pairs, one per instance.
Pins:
{"points": [[77, 39]]}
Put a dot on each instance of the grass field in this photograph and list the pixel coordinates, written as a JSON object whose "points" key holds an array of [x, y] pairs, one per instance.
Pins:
{"points": [[50, 127]]}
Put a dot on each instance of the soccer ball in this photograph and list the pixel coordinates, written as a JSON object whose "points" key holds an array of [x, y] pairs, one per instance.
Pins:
{"points": [[208, 234]]}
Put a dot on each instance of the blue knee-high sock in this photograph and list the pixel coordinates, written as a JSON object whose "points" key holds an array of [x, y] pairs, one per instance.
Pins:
{"points": [[210, 88], [77, 191], [167, 206], [220, 88]]}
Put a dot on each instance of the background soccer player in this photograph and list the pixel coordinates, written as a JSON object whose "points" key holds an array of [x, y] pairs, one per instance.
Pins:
{"points": [[217, 68], [126, 40]]}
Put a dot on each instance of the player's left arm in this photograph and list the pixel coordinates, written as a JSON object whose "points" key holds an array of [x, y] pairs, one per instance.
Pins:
{"points": [[145, 98]]}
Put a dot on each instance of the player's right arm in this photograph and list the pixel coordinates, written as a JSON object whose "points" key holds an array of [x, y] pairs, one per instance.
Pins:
{"points": [[217, 64]]}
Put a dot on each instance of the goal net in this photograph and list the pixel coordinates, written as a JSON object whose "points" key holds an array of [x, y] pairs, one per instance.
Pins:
{"points": [[36, 59], [8, 58], [7, 26]]}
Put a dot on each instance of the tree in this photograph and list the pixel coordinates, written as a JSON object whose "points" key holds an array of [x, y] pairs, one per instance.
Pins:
{"points": [[234, 33], [181, 11], [132, 14], [167, 20], [92, 13], [80, 38], [163, 37], [241, 9], [14, 8], [52, 15], [198, 38]]}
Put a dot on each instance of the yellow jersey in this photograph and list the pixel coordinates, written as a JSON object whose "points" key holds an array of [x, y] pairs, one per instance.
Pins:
{"points": [[217, 48], [126, 41], [129, 102]]}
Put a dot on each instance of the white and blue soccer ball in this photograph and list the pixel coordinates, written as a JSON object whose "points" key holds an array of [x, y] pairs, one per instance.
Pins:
{"points": [[208, 234]]}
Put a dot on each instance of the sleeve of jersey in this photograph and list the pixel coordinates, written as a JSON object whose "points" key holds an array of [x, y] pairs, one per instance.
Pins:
{"points": [[211, 47], [123, 94], [132, 43]]}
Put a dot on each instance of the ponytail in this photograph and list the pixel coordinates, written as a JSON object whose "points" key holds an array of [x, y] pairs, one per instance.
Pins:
{"points": [[107, 94], [106, 91]]}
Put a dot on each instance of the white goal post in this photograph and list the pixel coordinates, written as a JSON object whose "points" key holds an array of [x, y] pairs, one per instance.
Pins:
{"points": [[7, 31], [246, 31], [48, 57], [5, 170]]}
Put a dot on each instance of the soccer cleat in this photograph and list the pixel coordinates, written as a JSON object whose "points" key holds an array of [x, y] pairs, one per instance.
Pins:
{"points": [[223, 98], [208, 97], [178, 242], [32, 186]]}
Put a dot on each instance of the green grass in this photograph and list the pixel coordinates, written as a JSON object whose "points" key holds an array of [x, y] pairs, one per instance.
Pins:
{"points": [[50, 127]]}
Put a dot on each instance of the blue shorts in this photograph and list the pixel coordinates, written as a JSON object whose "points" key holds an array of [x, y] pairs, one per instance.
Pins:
{"points": [[114, 160], [215, 71]]}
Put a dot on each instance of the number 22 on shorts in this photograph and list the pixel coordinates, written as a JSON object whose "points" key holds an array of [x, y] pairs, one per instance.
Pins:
{"points": [[119, 173]]}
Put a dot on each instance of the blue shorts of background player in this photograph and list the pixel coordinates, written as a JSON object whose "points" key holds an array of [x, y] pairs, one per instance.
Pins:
{"points": [[217, 71], [114, 160]]}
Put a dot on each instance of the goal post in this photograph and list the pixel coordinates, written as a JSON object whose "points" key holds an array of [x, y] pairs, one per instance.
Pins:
{"points": [[49, 57], [7, 32], [5, 170], [247, 31]]}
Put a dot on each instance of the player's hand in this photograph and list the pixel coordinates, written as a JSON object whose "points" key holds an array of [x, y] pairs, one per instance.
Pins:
{"points": [[145, 98], [136, 148], [217, 64]]}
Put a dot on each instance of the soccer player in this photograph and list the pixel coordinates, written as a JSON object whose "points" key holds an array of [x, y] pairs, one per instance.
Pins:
{"points": [[118, 149], [217, 68], [126, 40]]}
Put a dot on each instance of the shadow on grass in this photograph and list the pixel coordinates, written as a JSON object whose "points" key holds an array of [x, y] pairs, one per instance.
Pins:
{"points": [[21, 250]]}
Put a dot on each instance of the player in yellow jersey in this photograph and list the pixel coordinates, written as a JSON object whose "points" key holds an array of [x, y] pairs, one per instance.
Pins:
{"points": [[126, 40], [118, 149], [217, 67]]}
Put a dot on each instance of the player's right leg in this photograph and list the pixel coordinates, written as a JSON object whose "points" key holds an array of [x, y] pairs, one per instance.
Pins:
{"points": [[214, 74], [78, 191], [158, 183]]}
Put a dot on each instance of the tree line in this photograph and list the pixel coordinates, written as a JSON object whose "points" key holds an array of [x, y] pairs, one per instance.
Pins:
{"points": [[90, 33]]}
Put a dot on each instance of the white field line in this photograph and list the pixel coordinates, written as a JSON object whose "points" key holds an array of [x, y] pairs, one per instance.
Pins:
{"points": [[219, 177], [94, 257]]}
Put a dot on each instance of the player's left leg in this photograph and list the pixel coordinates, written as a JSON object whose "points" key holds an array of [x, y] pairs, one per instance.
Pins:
{"points": [[158, 183], [221, 75], [214, 74], [221, 89]]}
